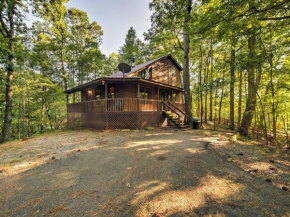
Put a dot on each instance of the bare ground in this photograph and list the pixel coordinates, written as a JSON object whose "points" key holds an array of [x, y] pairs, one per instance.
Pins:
{"points": [[136, 173]]}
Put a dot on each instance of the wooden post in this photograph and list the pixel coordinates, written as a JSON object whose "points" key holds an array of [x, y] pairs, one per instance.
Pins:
{"points": [[106, 90], [66, 98], [138, 109], [74, 97], [158, 108], [158, 93], [106, 105]]}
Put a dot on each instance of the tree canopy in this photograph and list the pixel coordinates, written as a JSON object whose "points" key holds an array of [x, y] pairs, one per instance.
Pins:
{"points": [[235, 56]]}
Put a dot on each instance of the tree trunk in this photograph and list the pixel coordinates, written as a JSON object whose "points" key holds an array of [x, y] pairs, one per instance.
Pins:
{"points": [[252, 88], [9, 93], [221, 99], [273, 101], [200, 86], [206, 93], [18, 121], [186, 73], [62, 65], [240, 99], [215, 110], [211, 83], [42, 112], [232, 87]]}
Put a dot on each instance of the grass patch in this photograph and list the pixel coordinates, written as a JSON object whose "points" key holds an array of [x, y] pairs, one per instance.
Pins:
{"points": [[14, 161]]}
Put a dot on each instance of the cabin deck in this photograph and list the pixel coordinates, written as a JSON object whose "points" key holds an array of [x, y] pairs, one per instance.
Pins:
{"points": [[119, 113]]}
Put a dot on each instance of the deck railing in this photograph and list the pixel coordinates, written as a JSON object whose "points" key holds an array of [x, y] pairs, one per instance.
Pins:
{"points": [[115, 105]]}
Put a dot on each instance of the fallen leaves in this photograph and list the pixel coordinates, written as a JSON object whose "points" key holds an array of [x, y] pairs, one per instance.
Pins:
{"points": [[83, 193], [58, 208]]}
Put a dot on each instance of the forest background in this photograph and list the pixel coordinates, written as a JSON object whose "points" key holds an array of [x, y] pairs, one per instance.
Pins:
{"points": [[235, 56]]}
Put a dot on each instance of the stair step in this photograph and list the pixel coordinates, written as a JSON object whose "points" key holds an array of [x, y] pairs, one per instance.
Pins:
{"points": [[172, 116], [183, 126]]}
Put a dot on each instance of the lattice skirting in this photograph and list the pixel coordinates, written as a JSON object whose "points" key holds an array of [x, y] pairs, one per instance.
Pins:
{"points": [[116, 120]]}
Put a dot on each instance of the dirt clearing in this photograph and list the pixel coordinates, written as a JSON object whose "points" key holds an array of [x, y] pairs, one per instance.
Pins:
{"points": [[136, 173]]}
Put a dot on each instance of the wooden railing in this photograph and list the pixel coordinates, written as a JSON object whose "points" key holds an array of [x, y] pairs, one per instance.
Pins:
{"points": [[168, 108], [177, 106], [115, 105]]}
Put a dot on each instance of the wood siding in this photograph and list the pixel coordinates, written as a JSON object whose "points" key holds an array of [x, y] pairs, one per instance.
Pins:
{"points": [[164, 71]]}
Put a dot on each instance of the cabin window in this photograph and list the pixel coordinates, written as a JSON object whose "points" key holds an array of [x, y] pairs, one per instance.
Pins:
{"points": [[147, 73], [171, 75], [141, 74], [77, 97], [112, 92], [145, 93], [174, 97], [98, 94]]}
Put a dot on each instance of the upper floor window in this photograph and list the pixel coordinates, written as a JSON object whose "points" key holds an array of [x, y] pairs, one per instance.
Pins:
{"points": [[147, 73], [171, 75]]}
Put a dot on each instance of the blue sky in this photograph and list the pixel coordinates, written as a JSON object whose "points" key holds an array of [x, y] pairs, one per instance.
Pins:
{"points": [[115, 17]]}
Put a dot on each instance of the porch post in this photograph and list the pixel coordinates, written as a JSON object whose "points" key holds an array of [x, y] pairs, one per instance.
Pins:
{"points": [[106, 90], [158, 108], [106, 103], [138, 110]]}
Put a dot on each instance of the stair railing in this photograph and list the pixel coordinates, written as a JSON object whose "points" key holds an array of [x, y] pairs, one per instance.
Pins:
{"points": [[166, 105], [185, 116]]}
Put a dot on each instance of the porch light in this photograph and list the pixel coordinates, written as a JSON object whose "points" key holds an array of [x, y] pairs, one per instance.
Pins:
{"points": [[103, 82], [90, 92]]}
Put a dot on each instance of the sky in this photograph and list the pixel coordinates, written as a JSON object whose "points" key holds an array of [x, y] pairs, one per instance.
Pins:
{"points": [[116, 17]]}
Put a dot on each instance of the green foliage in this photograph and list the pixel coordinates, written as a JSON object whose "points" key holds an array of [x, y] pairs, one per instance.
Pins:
{"points": [[133, 48], [62, 50], [216, 27]]}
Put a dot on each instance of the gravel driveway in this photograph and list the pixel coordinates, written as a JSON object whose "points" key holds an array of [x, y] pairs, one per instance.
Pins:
{"points": [[156, 173]]}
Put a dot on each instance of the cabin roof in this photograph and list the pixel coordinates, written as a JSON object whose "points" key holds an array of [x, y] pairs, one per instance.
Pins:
{"points": [[146, 64], [121, 79], [118, 76]]}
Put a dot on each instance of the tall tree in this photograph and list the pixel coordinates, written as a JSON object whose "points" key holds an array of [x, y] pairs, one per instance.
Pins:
{"points": [[186, 72], [133, 49], [53, 14], [11, 19]]}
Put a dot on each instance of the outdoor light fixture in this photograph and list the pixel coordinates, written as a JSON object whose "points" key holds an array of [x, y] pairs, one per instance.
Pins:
{"points": [[90, 92], [103, 82]]}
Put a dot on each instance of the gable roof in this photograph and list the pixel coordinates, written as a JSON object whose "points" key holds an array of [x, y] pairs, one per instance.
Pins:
{"points": [[146, 64]]}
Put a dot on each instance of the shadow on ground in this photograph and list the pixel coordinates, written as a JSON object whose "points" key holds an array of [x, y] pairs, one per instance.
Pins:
{"points": [[162, 174]]}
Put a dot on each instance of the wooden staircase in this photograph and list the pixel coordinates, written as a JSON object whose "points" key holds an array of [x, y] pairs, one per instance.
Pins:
{"points": [[175, 116]]}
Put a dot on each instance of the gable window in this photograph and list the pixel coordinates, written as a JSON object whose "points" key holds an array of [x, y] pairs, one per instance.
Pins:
{"points": [[146, 74], [141, 74], [171, 75]]}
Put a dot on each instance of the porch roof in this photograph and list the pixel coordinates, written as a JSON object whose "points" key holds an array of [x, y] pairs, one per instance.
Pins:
{"points": [[120, 79]]}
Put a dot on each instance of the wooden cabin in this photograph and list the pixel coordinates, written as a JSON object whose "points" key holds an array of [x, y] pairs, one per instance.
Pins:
{"points": [[151, 95]]}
